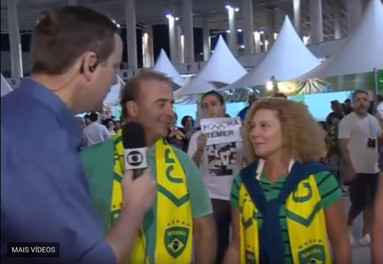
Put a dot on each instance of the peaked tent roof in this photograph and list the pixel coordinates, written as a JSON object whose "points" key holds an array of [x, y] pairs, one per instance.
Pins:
{"points": [[288, 58], [113, 97], [5, 87], [361, 52], [163, 64], [221, 69]]}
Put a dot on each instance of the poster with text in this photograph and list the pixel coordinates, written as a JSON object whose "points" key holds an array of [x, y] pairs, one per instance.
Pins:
{"points": [[221, 130]]}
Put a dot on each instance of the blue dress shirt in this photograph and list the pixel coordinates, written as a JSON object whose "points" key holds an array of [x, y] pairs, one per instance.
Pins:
{"points": [[44, 191]]}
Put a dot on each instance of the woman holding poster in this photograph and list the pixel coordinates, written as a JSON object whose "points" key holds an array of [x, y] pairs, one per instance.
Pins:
{"points": [[285, 205], [217, 151]]}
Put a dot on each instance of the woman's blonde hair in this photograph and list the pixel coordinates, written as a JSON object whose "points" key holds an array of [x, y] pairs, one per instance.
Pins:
{"points": [[302, 136]]}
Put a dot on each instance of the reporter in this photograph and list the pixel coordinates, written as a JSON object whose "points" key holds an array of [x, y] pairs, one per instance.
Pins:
{"points": [[75, 52]]}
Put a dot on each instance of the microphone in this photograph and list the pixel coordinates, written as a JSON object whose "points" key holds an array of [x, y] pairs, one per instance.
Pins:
{"points": [[135, 148]]}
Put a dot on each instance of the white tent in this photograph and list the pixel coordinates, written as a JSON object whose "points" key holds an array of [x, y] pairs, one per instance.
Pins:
{"points": [[361, 52], [164, 65], [113, 97], [288, 58], [221, 69], [5, 87]]}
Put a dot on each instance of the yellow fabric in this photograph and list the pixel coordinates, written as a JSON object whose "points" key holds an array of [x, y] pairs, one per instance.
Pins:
{"points": [[174, 225], [138, 254], [305, 223], [248, 228]]}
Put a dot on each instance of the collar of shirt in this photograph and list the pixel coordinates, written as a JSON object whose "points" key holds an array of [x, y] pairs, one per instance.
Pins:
{"points": [[63, 114], [261, 164]]}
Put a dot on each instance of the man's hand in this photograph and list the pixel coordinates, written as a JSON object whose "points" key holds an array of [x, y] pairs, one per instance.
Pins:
{"points": [[175, 132], [349, 174], [140, 193]]}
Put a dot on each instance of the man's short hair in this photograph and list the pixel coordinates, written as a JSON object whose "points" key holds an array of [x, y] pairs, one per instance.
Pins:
{"points": [[93, 116], [132, 87], [359, 91], [62, 35], [280, 95]]}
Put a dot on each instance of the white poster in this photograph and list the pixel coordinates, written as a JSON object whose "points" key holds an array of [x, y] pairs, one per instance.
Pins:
{"points": [[221, 130], [222, 159]]}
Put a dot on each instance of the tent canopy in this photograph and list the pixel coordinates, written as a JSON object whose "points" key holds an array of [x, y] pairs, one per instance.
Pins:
{"points": [[221, 69], [287, 58], [164, 65], [5, 87], [361, 52], [113, 97]]}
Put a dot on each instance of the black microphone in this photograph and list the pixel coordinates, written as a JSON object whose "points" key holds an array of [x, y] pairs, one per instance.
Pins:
{"points": [[135, 148]]}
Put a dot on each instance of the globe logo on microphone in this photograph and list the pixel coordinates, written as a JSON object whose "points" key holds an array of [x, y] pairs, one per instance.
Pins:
{"points": [[135, 158]]}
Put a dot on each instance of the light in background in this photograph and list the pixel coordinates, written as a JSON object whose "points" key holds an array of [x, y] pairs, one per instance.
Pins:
{"points": [[306, 40], [182, 48], [269, 86], [145, 50], [257, 41]]}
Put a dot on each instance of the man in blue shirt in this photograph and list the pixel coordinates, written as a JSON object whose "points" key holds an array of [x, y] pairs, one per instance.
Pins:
{"points": [[44, 192], [243, 112]]}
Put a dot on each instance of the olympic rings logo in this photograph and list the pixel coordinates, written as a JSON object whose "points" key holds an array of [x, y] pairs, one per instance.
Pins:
{"points": [[216, 126]]}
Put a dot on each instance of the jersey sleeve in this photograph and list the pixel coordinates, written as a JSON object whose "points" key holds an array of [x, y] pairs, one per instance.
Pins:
{"points": [[328, 187]]}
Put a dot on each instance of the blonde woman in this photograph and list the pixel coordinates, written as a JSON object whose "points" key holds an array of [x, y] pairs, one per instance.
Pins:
{"points": [[285, 204]]}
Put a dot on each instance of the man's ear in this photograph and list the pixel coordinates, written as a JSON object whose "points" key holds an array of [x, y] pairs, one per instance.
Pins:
{"points": [[132, 109], [89, 64]]}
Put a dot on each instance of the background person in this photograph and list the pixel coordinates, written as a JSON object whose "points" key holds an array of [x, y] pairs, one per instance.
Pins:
{"points": [[217, 172], [182, 211], [272, 197]]}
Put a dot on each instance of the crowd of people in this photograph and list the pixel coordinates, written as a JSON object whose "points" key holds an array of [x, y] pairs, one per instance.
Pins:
{"points": [[266, 198]]}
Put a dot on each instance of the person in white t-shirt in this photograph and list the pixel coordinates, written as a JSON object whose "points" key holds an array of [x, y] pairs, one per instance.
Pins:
{"points": [[359, 139], [217, 174], [95, 132]]}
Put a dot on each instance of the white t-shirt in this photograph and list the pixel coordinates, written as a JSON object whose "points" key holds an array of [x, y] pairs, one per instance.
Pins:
{"points": [[95, 133], [358, 131], [219, 164]]}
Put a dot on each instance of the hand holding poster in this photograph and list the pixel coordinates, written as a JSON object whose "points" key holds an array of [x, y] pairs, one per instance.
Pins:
{"points": [[221, 130]]}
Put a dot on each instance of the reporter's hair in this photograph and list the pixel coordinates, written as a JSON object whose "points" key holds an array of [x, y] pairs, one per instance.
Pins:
{"points": [[132, 88], [62, 35], [303, 138]]}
